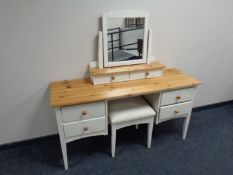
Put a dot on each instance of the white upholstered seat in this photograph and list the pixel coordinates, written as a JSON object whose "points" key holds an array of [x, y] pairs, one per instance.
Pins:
{"points": [[130, 111]]}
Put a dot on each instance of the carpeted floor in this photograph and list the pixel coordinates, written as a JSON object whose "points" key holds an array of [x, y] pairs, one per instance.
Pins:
{"points": [[208, 150]]}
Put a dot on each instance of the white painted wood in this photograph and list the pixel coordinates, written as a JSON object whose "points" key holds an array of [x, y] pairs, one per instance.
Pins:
{"points": [[170, 97], [149, 57], [106, 117], [105, 79], [149, 132], [113, 140], [185, 126], [77, 127], [62, 136], [154, 73], [165, 113], [124, 14], [180, 109], [84, 127], [101, 79], [100, 50], [120, 77], [71, 139], [116, 126], [154, 101], [187, 119], [136, 75], [83, 111], [118, 110]]}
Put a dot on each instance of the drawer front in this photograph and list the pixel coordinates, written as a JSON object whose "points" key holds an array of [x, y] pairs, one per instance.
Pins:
{"points": [[101, 79], [153, 73], [145, 74], [84, 127], [175, 110], [120, 77], [177, 96], [137, 75], [83, 112]]}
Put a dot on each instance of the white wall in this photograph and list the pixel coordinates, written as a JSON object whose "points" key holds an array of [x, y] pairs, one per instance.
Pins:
{"points": [[42, 41]]}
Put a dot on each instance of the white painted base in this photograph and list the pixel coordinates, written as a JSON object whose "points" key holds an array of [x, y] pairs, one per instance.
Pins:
{"points": [[116, 126], [173, 104], [120, 77], [80, 121]]}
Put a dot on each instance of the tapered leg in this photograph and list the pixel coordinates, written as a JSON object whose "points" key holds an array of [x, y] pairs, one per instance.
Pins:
{"points": [[62, 137], [185, 127], [136, 126], [113, 141], [149, 132], [64, 154]]}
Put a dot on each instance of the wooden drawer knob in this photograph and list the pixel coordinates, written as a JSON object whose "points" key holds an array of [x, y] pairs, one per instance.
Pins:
{"points": [[113, 77], [176, 111], [84, 113], [178, 97], [147, 73], [85, 128]]}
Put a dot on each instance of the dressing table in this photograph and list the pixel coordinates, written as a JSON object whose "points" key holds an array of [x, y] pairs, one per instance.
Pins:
{"points": [[81, 106]]}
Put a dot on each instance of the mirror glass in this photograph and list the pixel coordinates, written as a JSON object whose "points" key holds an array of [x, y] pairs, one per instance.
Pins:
{"points": [[125, 38]]}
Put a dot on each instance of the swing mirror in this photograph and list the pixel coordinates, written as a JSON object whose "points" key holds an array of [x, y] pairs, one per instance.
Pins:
{"points": [[125, 36]]}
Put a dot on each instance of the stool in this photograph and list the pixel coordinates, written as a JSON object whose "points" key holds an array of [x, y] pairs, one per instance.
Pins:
{"points": [[130, 111]]}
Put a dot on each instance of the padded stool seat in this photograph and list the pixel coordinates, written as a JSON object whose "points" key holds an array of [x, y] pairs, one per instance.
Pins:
{"points": [[133, 108], [130, 111]]}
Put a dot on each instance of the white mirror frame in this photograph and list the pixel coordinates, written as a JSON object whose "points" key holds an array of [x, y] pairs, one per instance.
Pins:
{"points": [[124, 14]]}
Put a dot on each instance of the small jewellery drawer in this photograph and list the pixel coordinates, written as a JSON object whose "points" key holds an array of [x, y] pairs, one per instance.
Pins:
{"points": [[145, 74], [83, 111], [176, 96], [104, 79], [120, 77], [101, 79], [175, 110], [84, 127], [153, 73]]}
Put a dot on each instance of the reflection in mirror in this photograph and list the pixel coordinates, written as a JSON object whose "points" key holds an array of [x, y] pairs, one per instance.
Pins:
{"points": [[125, 39]]}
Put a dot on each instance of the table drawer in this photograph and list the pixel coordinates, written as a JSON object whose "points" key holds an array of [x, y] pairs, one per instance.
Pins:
{"points": [[175, 110], [101, 79], [153, 73], [83, 112], [120, 77], [145, 74], [84, 127], [105, 79], [177, 96]]}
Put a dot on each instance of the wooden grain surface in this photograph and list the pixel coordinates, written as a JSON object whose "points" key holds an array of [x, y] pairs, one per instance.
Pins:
{"points": [[73, 92], [120, 69]]}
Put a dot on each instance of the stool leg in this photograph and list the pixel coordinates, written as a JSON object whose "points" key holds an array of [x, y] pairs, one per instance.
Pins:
{"points": [[113, 140], [149, 132]]}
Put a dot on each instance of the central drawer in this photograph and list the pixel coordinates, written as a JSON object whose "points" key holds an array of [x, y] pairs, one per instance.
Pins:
{"points": [[84, 127], [175, 110], [83, 111], [120, 77], [177, 96], [145, 74]]}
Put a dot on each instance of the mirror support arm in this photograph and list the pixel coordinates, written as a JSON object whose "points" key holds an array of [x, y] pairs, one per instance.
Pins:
{"points": [[100, 50]]}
